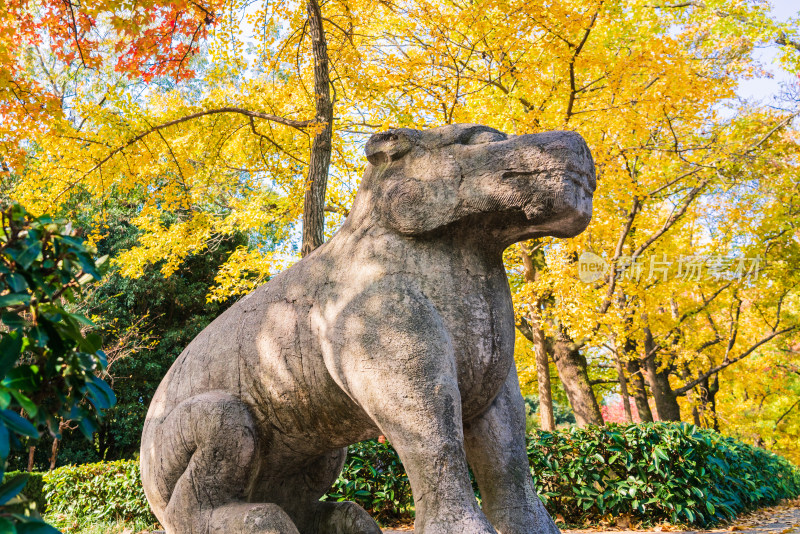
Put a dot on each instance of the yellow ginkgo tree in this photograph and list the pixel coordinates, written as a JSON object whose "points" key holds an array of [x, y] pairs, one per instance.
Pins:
{"points": [[268, 131]]}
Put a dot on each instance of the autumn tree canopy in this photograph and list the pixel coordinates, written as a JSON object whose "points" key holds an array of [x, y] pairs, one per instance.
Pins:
{"points": [[236, 116]]}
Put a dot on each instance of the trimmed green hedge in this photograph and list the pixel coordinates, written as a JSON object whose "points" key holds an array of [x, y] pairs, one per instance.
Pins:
{"points": [[654, 471], [98, 492]]}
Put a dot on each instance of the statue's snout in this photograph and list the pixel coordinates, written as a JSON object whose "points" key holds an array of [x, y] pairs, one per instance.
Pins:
{"points": [[561, 152], [560, 163]]}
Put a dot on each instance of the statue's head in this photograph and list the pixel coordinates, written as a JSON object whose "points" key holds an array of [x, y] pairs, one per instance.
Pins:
{"points": [[474, 179]]}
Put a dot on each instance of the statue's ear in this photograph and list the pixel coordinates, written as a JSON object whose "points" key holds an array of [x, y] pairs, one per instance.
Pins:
{"points": [[413, 206], [390, 145]]}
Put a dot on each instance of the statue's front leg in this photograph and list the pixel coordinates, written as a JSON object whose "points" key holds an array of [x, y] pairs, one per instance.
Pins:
{"points": [[397, 363], [495, 445]]}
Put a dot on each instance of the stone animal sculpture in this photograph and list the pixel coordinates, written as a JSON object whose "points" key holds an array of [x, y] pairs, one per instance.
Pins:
{"points": [[402, 325]]}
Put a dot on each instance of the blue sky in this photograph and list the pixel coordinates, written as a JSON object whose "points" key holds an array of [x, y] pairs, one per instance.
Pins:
{"points": [[764, 89]]}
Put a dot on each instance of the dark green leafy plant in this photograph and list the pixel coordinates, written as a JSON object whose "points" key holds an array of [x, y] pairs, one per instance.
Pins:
{"points": [[655, 472], [167, 313], [374, 477], [48, 362]]}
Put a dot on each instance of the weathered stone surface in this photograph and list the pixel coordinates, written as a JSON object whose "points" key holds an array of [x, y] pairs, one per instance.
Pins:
{"points": [[401, 325]]}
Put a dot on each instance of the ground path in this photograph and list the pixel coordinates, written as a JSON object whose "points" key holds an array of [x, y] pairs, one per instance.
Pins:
{"points": [[784, 519]]}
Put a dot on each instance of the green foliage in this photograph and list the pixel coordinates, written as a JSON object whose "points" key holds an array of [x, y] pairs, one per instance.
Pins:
{"points": [[562, 412], [374, 477], [48, 361], [34, 489], [656, 472], [172, 310], [111, 491], [91, 493], [110, 527], [159, 316]]}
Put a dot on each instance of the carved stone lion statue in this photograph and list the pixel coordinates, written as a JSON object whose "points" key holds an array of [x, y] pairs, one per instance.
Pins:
{"points": [[401, 325]]}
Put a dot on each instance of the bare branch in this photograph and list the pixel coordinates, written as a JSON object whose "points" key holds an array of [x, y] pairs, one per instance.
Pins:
{"points": [[75, 30], [525, 329], [337, 209], [673, 218], [618, 253]]}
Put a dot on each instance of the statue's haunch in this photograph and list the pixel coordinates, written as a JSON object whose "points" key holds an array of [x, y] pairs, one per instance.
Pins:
{"points": [[401, 325]]}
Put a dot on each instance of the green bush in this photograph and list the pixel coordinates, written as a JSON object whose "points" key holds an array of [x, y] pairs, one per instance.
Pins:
{"points": [[97, 492], [655, 472], [374, 477]]}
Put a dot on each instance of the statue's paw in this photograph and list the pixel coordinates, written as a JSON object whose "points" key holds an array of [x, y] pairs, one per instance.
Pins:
{"points": [[464, 525], [246, 518], [346, 518], [531, 525]]}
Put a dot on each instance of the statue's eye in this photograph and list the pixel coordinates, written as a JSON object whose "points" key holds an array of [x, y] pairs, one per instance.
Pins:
{"points": [[485, 136]]}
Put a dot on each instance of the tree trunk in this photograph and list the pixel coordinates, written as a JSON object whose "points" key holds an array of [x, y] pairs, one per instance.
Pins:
{"points": [[535, 335], [707, 401], [31, 452], [317, 180], [572, 370], [694, 396], [623, 387], [53, 454], [713, 388], [666, 400], [639, 392], [546, 416]]}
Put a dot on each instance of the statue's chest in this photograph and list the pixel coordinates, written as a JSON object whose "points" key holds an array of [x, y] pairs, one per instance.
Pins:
{"points": [[480, 320]]}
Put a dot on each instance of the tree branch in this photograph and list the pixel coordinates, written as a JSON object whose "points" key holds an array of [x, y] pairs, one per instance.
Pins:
{"points": [[525, 329], [612, 284], [786, 413], [573, 88], [672, 218], [299, 125], [68, 3], [783, 40], [714, 370]]}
